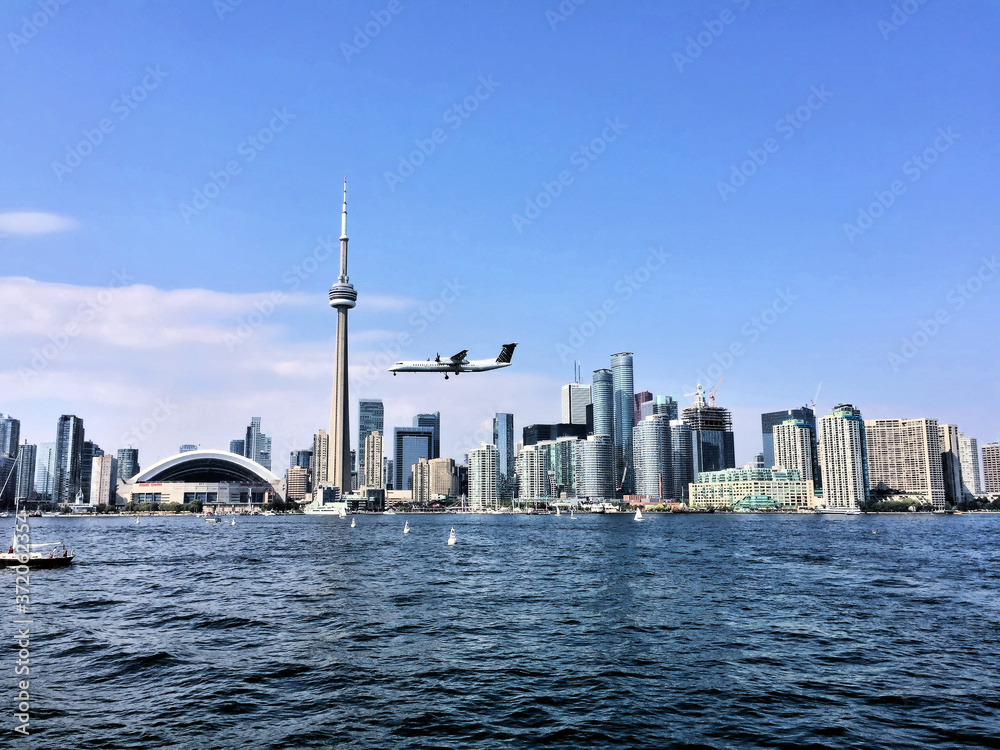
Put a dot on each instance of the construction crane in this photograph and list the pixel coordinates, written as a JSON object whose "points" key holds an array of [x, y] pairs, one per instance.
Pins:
{"points": [[711, 393]]}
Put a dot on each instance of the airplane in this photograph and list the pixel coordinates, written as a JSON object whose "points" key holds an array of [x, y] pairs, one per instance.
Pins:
{"points": [[457, 364]]}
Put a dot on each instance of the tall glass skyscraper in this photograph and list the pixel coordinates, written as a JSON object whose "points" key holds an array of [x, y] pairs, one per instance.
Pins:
{"points": [[431, 422], [371, 418], [10, 435], [503, 439], [128, 462], [45, 470], [27, 455], [624, 407], [574, 398], [602, 393], [654, 471], [69, 453], [411, 444], [682, 458]]}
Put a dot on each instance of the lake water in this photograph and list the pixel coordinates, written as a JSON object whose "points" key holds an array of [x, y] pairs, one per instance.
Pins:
{"points": [[685, 631]]}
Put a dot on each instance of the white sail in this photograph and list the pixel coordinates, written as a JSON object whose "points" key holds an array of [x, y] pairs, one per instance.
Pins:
{"points": [[451, 536], [406, 527], [638, 514]]}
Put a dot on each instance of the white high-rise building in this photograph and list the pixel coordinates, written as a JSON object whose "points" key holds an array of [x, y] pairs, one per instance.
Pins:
{"points": [[532, 469], [991, 468], [793, 447], [373, 460], [575, 400], [595, 468], [104, 480], [652, 453], [484, 476], [905, 455], [843, 458], [968, 454], [421, 472]]}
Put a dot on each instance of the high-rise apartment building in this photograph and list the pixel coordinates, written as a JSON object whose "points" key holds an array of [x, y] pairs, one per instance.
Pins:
{"points": [[104, 480], [69, 454], [444, 477], [653, 456], [45, 472], [968, 453], [532, 468], [431, 422], [682, 458], [603, 394], [239, 447], [297, 482], [770, 419], [595, 466], [373, 453], [421, 473], [87, 455], [843, 458], [712, 444], [10, 435], [562, 465], [991, 468], [128, 463], [503, 439], [905, 455], [624, 411], [659, 405], [371, 418], [257, 446], [638, 400], [951, 463], [410, 445], [321, 458], [794, 447], [27, 456], [484, 476], [538, 433], [574, 402]]}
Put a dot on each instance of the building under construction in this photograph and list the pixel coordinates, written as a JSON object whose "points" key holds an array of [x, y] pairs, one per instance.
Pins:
{"points": [[712, 444]]}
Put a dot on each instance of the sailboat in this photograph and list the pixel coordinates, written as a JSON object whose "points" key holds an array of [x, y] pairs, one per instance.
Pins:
{"points": [[558, 511], [572, 514], [343, 513], [137, 519], [352, 523], [32, 555], [638, 514], [232, 521], [406, 527], [451, 536]]}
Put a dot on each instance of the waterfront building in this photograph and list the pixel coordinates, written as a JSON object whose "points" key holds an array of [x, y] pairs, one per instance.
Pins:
{"points": [[624, 411], [411, 444], [297, 483], [968, 454], [991, 468], [239, 447], [45, 472], [794, 447], [537, 433], [904, 456], [104, 480], [421, 472], [503, 439], [603, 394], [682, 458], [844, 458], [373, 453], [752, 489], [768, 422], [712, 444], [484, 476], [595, 468], [69, 454], [951, 464], [575, 398], [532, 468], [658, 405], [128, 463], [389, 474], [562, 465], [10, 435], [321, 458], [25, 488], [443, 477], [87, 454], [371, 418], [652, 453]]}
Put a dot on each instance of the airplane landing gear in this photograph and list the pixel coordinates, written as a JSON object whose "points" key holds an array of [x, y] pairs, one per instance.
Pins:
{"points": [[445, 377]]}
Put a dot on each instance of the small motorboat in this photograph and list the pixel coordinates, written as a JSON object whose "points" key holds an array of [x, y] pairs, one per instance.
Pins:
{"points": [[212, 519], [39, 556]]}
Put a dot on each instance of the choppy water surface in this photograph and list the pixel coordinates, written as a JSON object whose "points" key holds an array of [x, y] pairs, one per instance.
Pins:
{"points": [[686, 631]]}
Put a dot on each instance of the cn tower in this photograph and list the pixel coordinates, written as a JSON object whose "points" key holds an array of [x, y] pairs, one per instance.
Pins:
{"points": [[342, 298]]}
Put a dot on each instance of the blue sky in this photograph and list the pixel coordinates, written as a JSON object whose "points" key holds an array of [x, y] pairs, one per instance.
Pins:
{"points": [[508, 98]]}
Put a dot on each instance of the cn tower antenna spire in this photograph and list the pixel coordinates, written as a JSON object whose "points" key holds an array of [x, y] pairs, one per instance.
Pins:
{"points": [[343, 216]]}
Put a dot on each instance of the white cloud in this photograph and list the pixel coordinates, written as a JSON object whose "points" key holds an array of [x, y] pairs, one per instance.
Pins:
{"points": [[34, 222]]}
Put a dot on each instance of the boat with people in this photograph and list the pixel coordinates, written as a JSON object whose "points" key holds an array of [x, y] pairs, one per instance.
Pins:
{"points": [[40, 556]]}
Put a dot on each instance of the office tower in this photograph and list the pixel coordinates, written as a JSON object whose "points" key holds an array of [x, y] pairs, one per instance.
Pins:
{"points": [[503, 439], [767, 424], [652, 453], [643, 397], [239, 447], [431, 422], [128, 463], [421, 472], [658, 405], [532, 469], [758, 461], [321, 458], [712, 445], [342, 298], [69, 450], [301, 457], [257, 446], [624, 410], [187, 448], [390, 474], [844, 458], [968, 452], [904, 457], [373, 452], [297, 482], [595, 467], [45, 472], [991, 468], [410, 445], [575, 398], [562, 465], [264, 455], [793, 447], [10, 435], [8, 481], [682, 458], [354, 469], [951, 464], [87, 454], [27, 456], [444, 477], [538, 433], [103, 480], [603, 394], [371, 418], [484, 476]]}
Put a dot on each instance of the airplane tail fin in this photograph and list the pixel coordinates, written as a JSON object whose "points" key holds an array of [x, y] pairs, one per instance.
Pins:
{"points": [[505, 354]]}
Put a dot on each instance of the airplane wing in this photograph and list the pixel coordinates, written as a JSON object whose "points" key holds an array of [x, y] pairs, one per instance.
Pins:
{"points": [[460, 357]]}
